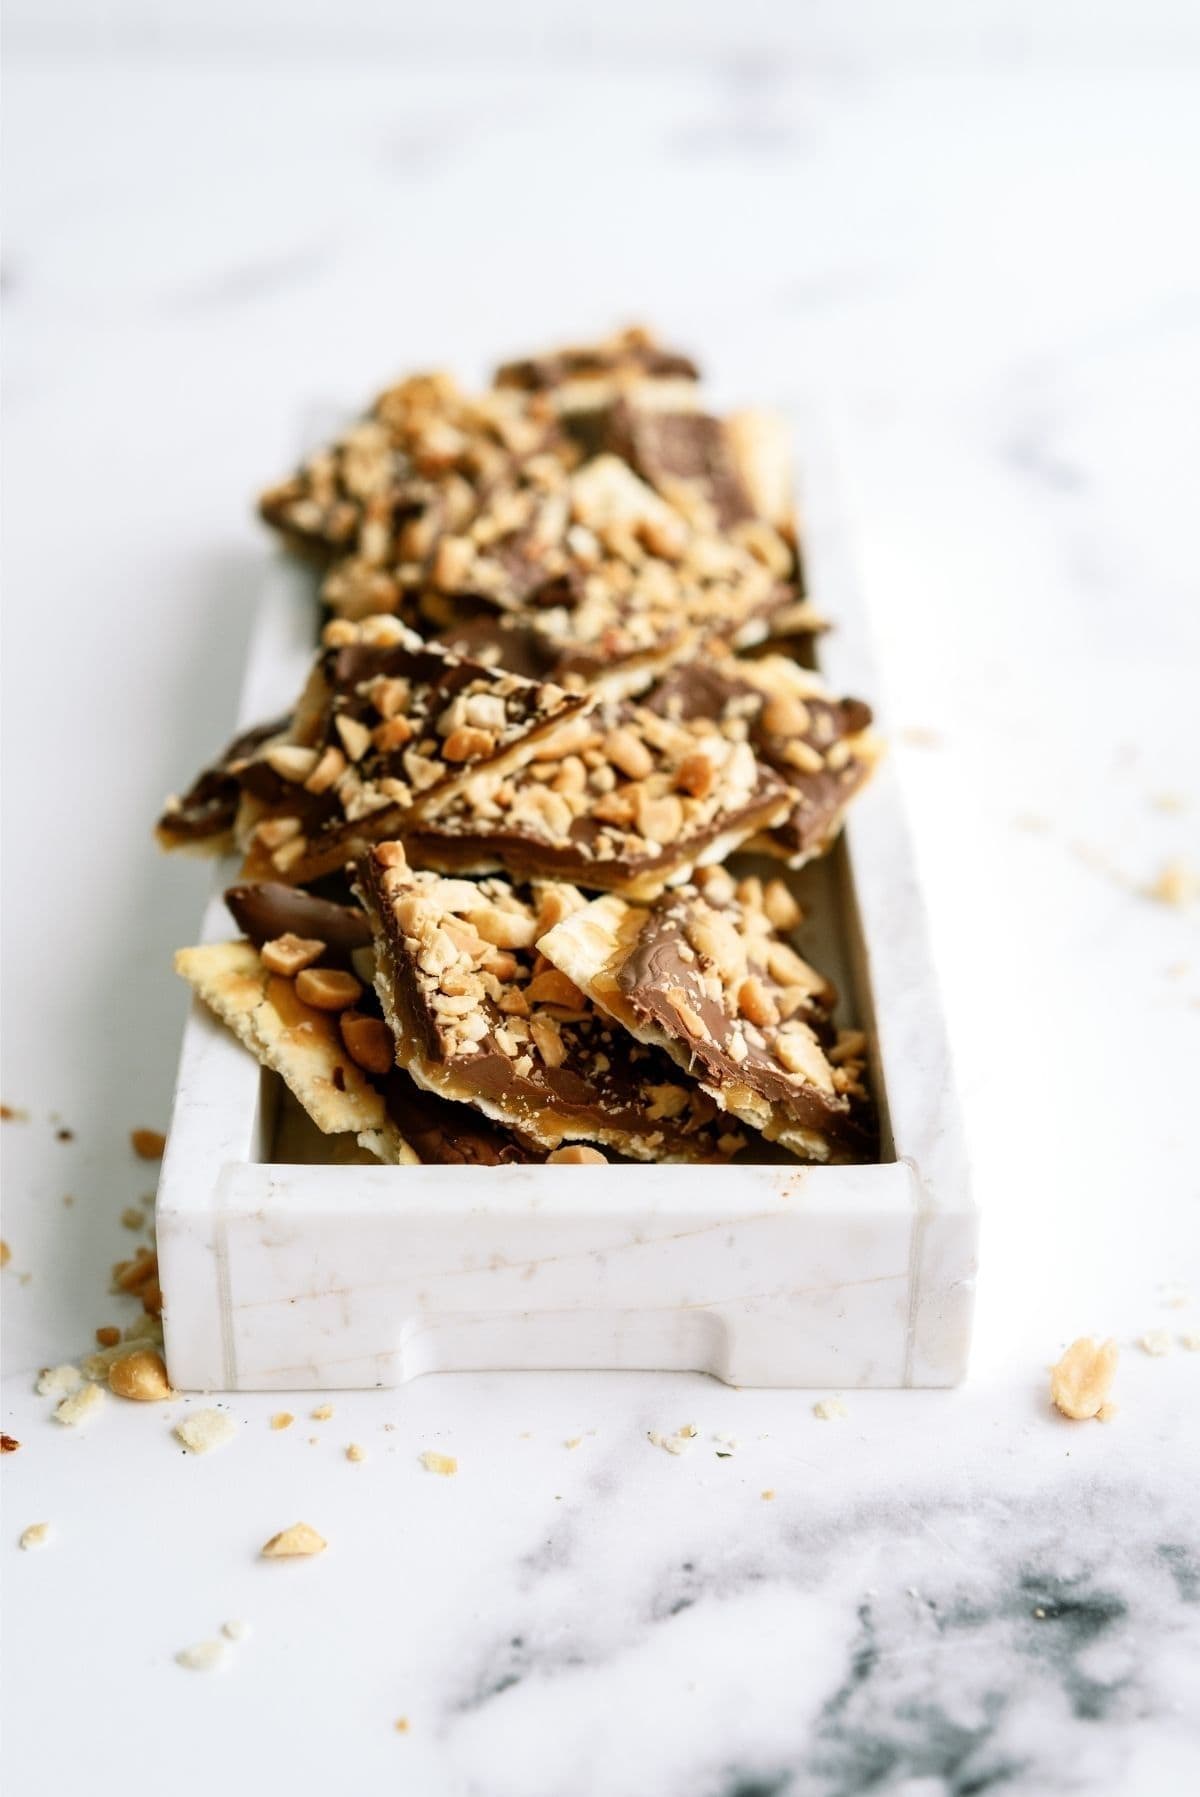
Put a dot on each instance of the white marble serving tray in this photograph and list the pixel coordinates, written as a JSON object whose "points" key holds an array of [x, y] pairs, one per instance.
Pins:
{"points": [[282, 1271]]}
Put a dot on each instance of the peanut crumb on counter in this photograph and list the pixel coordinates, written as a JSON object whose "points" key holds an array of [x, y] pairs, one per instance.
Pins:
{"points": [[1107, 1412], [920, 736], [573, 1442], [108, 1335], [147, 1144], [236, 1630], [767, 1496], [401, 1725], [1168, 801], [1156, 1342], [80, 1406], [298, 1542], [205, 1430], [445, 1465], [204, 1656], [133, 1217], [282, 1419], [140, 1375], [8, 1444], [677, 1443], [322, 1413], [13, 1113], [5, 1254], [1176, 884], [830, 1410], [1080, 1382], [36, 1535], [356, 1452]]}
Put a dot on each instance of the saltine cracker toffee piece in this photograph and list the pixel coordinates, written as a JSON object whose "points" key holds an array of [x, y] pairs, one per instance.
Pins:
{"points": [[298, 994], [387, 729], [614, 580], [201, 820], [706, 977], [480, 1018], [821, 746], [411, 467], [617, 800]]}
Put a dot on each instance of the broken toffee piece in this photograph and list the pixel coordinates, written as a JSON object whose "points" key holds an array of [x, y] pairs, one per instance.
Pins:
{"points": [[706, 977], [203, 818], [616, 582], [620, 799], [478, 1017], [387, 729], [631, 355], [822, 747], [325, 1035], [411, 467]]}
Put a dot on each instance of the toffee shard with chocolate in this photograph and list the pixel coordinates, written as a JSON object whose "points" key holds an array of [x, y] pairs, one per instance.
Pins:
{"points": [[618, 800], [630, 355], [615, 582], [480, 1018], [388, 729], [336, 1056], [412, 467], [706, 977], [202, 819], [821, 746]]}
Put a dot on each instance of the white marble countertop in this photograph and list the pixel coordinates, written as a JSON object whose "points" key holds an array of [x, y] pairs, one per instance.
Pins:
{"points": [[993, 274]]}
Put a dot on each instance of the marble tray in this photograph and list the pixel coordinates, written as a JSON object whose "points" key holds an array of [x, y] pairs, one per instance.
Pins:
{"points": [[282, 1271]]}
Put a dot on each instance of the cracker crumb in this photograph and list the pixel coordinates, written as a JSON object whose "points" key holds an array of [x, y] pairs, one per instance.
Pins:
{"points": [[830, 1410], [767, 1496], [81, 1405], [282, 1419], [445, 1465], [1168, 801], [1190, 1339], [205, 1656], [1175, 1297], [36, 1535], [205, 1430], [356, 1451], [401, 1725], [678, 1443], [920, 736], [1080, 1382], [573, 1442], [1156, 1342], [322, 1413], [299, 1542], [58, 1381], [147, 1144], [236, 1630], [1176, 884], [1106, 1412], [133, 1217]]}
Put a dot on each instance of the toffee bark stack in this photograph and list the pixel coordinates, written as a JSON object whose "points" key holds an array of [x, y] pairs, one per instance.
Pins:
{"points": [[534, 688]]}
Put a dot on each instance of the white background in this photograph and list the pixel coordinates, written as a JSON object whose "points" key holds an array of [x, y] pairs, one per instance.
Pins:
{"points": [[974, 228]]}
